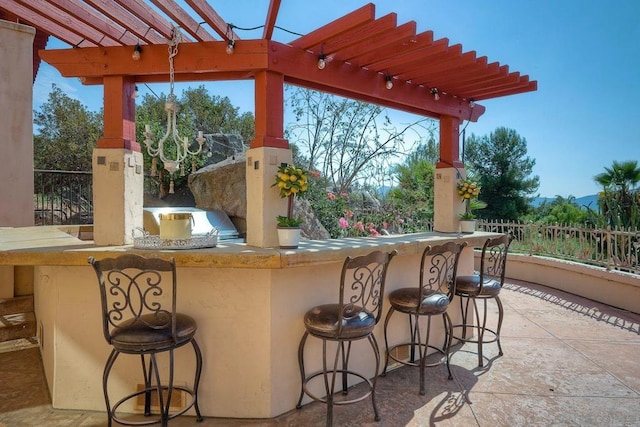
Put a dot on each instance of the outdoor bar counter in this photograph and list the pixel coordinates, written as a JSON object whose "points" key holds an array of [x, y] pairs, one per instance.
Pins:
{"points": [[248, 302]]}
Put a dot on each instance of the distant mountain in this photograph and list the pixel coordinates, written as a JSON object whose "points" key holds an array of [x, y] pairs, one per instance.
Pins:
{"points": [[584, 201]]}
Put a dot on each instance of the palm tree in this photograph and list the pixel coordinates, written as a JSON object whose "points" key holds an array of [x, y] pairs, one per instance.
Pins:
{"points": [[618, 203], [621, 176]]}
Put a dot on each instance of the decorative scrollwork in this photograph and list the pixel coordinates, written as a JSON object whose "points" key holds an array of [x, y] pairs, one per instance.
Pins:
{"points": [[132, 296]]}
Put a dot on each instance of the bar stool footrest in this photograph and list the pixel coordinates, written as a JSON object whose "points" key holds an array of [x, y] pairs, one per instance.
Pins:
{"points": [[473, 338], [417, 362], [338, 402], [156, 417]]}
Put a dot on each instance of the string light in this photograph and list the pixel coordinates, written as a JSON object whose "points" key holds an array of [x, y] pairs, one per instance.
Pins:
{"points": [[389, 83], [136, 52], [322, 62], [231, 46], [436, 94]]}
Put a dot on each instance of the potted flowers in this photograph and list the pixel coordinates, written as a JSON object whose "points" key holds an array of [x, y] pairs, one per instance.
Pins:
{"points": [[469, 190], [290, 180]]}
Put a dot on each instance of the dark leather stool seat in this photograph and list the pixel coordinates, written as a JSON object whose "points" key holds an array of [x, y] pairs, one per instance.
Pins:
{"points": [[431, 296]]}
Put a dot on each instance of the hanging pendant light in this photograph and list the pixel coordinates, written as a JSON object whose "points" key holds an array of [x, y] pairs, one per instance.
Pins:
{"points": [[171, 161]]}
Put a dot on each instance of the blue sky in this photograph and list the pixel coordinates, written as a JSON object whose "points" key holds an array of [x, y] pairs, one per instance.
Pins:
{"points": [[585, 55]]}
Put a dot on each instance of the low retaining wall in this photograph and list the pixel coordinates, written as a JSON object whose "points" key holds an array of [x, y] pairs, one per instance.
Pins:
{"points": [[614, 288]]}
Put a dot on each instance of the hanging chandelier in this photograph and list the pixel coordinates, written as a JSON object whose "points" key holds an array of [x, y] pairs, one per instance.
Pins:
{"points": [[172, 149]]}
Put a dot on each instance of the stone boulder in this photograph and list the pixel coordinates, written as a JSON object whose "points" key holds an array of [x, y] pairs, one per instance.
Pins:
{"points": [[223, 186], [311, 227]]}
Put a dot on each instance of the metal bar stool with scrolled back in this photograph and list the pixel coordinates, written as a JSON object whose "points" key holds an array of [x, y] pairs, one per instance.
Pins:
{"points": [[431, 297], [353, 318], [483, 285], [138, 297]]}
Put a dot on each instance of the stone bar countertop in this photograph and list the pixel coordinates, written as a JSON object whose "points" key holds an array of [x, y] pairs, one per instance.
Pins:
{"points": [[62, 245]]}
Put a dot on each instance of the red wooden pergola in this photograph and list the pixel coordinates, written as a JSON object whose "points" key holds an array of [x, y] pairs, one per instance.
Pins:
{"points": [[362, 53]]}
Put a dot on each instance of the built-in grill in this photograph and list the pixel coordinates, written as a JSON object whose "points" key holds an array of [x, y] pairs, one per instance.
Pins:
{"points": [[203, 221]]}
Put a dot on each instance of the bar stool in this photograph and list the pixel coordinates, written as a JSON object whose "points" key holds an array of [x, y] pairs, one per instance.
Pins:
{"points": [[353, 318], [432, 297], [138, 297], [483, 285]]}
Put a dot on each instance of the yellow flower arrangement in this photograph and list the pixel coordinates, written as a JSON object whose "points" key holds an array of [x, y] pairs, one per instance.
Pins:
{"points": [[469, 190], [290, 180]]}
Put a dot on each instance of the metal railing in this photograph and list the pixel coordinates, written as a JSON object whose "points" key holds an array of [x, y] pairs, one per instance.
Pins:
{"points": [[62, 197], [614, 249]]}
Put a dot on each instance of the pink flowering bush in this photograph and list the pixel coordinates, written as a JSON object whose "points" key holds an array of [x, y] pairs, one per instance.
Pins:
{"points": [[342, 216]]}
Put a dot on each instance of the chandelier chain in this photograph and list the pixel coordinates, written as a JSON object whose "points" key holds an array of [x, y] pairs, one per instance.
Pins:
{"points": [[176, 38]]}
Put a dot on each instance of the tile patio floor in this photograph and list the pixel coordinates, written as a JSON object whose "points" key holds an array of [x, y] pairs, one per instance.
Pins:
{"points": [[568, 361]]}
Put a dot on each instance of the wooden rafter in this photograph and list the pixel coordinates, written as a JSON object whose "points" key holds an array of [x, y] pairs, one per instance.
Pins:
{"points": [[83, 13], [184, 20], [386, 52], [316, 38], [65, 20], [380, 44], [270, 21], [123, 17], [212, 18], [336, 44], [41, 21]]}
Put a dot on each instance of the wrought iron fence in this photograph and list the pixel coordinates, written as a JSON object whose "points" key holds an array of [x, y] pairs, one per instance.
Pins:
{"points": [[62, 197], [614, 249]]}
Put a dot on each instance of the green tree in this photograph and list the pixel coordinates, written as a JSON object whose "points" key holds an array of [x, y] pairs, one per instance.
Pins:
{"points": [[412, 199], [620, 201], [66, 133], [500, 163], [560, 211]]}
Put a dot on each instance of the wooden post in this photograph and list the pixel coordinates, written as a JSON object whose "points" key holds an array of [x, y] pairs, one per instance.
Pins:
{"points": [[118, 176]]}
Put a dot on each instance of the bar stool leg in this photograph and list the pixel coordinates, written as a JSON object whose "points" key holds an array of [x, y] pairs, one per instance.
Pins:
{"points": [[196, 381], [303, 340], [105, 378], [376, 352], [500, 318], [386, 341]]}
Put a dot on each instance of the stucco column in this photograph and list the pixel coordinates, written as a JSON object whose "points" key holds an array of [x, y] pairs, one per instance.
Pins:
{"points": [[449, 170], [264, 203], [118, 178], [16, 124], [268, 151]]}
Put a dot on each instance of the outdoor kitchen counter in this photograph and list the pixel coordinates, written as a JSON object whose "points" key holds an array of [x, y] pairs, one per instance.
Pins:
{"points": [[249, 304], [62, 246]]}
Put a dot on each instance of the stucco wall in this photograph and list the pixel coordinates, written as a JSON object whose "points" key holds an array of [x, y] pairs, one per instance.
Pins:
{"points": [[614, 288], [16, 134]]}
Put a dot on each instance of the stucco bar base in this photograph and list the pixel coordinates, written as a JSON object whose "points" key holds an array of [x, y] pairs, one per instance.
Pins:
{"points": [[249, 304]]}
